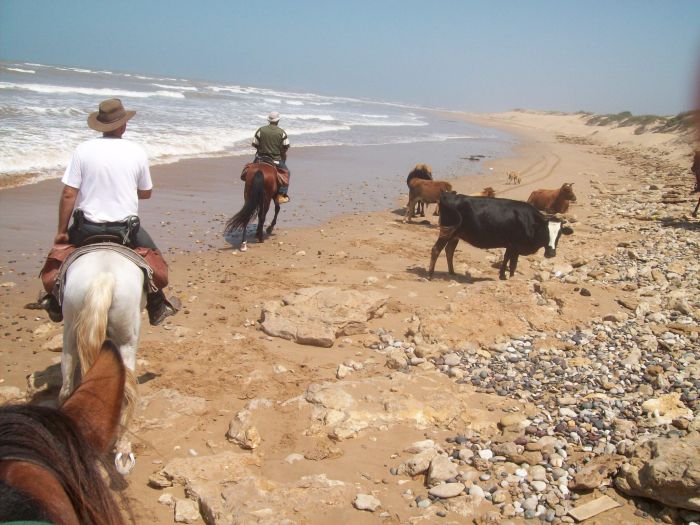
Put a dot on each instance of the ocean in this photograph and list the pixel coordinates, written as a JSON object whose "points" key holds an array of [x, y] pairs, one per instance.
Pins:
{"points": [[43, 110]]}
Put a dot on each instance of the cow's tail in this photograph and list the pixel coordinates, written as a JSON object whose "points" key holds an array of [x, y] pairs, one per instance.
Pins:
{"points": [[450, 218]]}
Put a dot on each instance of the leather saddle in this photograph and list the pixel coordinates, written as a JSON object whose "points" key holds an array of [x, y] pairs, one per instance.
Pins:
{"points": [[267, 162]]}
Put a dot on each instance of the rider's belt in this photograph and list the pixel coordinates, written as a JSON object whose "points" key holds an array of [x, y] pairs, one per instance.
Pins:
{"points": [[124, 228], [114, 224]]}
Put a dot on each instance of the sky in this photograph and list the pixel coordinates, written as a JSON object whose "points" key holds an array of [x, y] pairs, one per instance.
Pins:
{"points": [[602, 56]]}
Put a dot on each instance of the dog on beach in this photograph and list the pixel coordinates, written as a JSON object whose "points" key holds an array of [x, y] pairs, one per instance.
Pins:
{"points": [[514, 177]]}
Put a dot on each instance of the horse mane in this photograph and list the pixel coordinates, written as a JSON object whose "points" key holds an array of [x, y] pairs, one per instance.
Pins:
{"points": [[18, 506], [420, 171], [47, 438]]}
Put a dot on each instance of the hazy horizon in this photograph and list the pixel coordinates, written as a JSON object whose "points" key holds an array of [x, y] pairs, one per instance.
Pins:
{"points": [[642, 57]]}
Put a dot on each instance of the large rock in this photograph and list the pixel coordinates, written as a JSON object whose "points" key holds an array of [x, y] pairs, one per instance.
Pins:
{"points": [[171, 406], [242, 432], [597, 472], [664, 409], [186, 511], [341, 410], [229, 490], [419, 463], [316, 316], [666, 470], [441, 469]]}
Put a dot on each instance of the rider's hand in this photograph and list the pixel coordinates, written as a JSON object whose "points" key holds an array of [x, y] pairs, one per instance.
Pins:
{"points": [[61, 238]]}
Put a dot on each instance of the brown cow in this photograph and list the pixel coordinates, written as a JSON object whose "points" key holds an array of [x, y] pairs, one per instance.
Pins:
{"points": [[487, 192], [426, 191], [553, 201]]}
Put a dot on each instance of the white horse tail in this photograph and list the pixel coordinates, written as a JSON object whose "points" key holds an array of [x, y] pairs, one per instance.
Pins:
{"points": [[91, 322]]}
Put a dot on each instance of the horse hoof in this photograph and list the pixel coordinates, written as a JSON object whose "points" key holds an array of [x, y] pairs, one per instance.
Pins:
{"points": [[124, 465], [244, 247]]}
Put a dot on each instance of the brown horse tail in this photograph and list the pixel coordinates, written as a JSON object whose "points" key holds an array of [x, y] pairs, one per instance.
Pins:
{"points": [[253, 203]]}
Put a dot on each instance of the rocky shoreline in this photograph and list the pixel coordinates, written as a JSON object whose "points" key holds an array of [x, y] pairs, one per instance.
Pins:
{"points": [[616, 402]]}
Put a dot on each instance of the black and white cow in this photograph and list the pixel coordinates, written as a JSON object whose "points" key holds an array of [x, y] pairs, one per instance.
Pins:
{"points": [[495, 223]]}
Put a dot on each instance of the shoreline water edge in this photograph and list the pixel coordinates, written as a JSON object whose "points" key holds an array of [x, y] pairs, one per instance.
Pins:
{"points": [[44, 109], [327, 181]]}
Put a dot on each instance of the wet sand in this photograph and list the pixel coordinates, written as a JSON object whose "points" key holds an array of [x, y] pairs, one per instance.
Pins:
{"points": [[193, 198]]}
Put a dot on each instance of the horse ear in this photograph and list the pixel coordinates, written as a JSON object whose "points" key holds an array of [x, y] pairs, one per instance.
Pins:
{"points": [[96, 404]]}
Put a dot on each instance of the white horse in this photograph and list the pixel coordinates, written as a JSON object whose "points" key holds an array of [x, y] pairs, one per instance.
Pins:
{"points": [[103, 298]]}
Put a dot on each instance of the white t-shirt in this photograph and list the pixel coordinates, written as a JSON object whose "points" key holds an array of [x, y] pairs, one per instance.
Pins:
{"points": [[107, 172]]}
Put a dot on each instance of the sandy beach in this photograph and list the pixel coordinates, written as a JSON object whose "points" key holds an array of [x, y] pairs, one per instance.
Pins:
{"points": [[334, 423]]}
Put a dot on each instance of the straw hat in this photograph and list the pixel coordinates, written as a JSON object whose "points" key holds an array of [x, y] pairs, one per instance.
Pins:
{"points": [[273, 117], [110, 116]]}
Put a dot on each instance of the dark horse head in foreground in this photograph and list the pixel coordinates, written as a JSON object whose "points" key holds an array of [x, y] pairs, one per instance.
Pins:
{"points": [[50, 459], [260, 189]]}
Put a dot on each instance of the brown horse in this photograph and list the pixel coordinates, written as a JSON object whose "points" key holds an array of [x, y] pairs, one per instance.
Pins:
{"points": [[260, 188], [420, 171], [50, 459]]}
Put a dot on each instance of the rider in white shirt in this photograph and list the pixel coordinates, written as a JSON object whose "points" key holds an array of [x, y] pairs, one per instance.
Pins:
{"points": [[102, 186]]}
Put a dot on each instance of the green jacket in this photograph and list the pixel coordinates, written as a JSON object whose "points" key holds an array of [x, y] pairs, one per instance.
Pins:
{"points": [[271, 141]]}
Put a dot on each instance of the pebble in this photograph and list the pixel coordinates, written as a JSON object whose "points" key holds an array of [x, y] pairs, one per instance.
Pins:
{"points": [[485, 454], [530, 503], [499, 496], [366, 502], [447, 490], [539, 486], [476, 490], [588, 383], [538, 473]]}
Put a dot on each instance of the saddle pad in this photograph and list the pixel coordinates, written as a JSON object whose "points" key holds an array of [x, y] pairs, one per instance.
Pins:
{"points": [[282, 174], [62, 256]]}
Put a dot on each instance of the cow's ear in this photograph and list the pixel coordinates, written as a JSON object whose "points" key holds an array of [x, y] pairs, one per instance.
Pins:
{"points": [[567, 230]]}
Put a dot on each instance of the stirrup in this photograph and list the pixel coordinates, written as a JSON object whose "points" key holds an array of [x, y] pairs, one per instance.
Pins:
{"points": [[165, 308], [282, 199], [50, 304]]}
